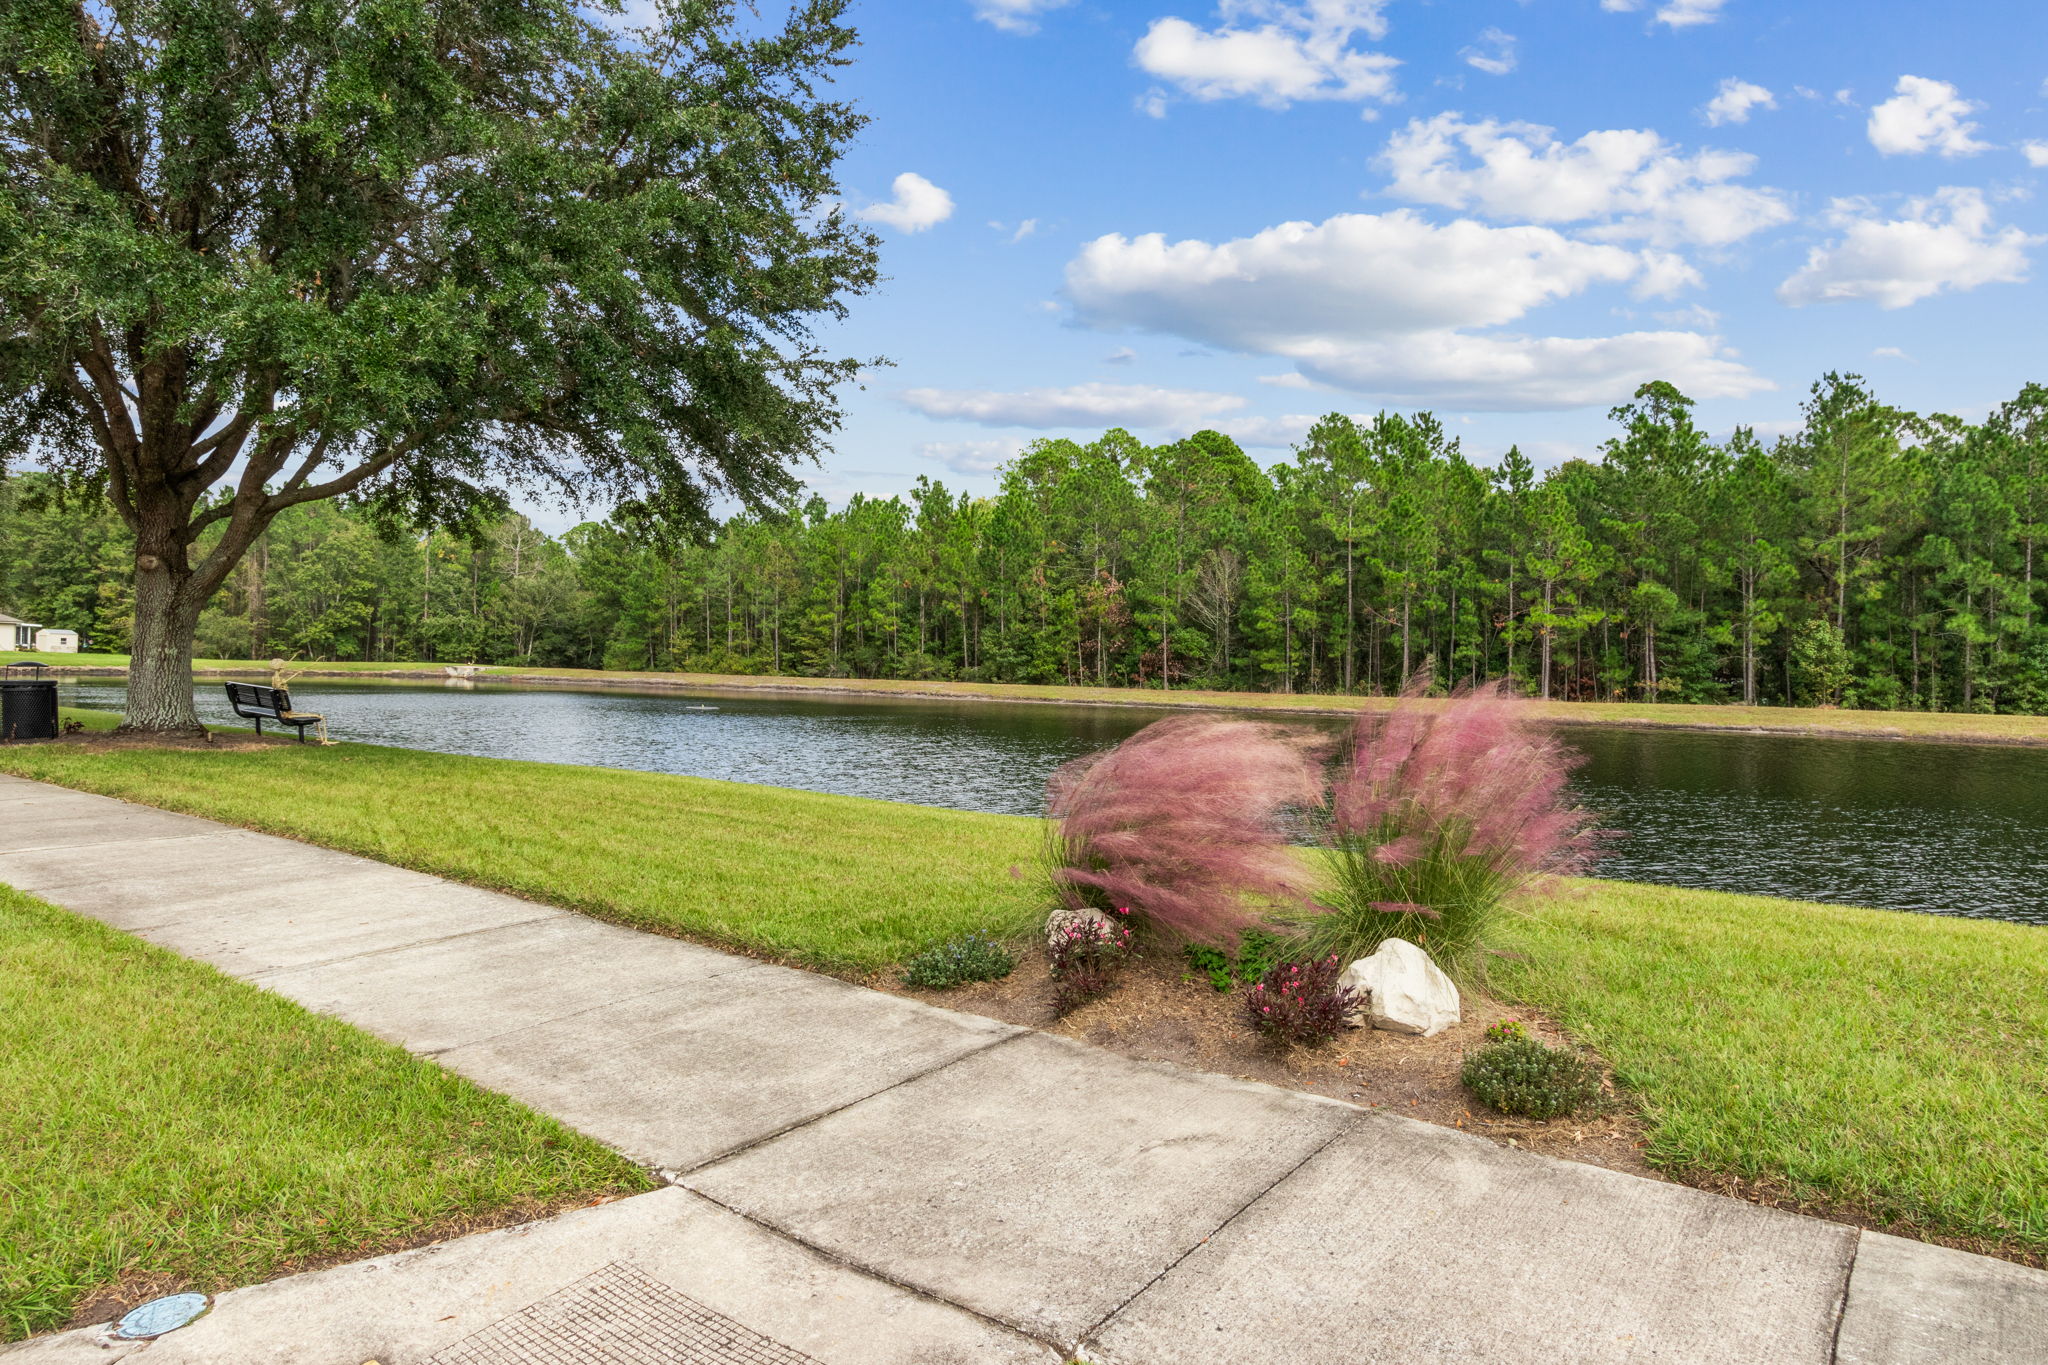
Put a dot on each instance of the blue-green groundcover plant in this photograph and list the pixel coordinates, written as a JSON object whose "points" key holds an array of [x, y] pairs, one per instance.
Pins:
{"points": [[970, 957], [1518, 1075]]}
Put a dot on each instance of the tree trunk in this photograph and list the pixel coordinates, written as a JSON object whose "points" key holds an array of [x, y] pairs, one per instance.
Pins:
{"points": [[167, 603]]}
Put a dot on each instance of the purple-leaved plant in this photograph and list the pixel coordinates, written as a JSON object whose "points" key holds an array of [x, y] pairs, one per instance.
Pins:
{"points": [[1301, 1002], [1086, 957], [1184, 823], [1442, 815]]}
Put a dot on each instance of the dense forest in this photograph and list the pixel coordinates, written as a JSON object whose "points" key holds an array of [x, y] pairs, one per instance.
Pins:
{"points": [[1874, 558]]}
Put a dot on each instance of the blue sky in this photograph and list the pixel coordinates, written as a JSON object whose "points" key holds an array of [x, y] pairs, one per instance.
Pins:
{"points": [[1169, 214]]}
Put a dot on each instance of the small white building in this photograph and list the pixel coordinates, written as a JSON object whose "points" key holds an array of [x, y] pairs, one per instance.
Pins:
{"points": [[16, 633], [51, 641]]}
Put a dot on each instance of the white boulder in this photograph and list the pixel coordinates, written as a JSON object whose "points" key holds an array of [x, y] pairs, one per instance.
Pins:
{"points": [[1401, 990], [1063, 918]]}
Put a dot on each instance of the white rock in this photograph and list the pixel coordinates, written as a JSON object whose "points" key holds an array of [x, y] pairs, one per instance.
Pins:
{"points": [[1402, 990], [1063, 919]]}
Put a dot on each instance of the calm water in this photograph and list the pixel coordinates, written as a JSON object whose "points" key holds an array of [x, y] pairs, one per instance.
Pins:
{"points": [[1949, 829]]}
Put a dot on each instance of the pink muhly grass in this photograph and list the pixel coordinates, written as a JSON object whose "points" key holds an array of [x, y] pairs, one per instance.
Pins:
{"points": [[1443, 815], [1183, 822]]}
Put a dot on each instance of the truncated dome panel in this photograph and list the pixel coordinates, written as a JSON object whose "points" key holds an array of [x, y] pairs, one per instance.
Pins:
{"points": [[618, 1316]]}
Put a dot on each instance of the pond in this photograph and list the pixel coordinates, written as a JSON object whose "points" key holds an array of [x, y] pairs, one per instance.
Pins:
{"points": [[1945, 829]]}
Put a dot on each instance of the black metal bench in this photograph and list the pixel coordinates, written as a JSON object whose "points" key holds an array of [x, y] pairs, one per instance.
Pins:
{"points": [[252, 701]]}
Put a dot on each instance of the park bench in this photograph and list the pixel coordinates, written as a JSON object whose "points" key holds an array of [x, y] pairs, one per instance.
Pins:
{"points": [[252, 701]]}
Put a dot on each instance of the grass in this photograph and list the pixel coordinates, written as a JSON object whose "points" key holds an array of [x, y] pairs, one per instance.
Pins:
{"points": [[1857, 1060], [165, 1123], [1878, 1063], [833, 882], [1929, 725]]}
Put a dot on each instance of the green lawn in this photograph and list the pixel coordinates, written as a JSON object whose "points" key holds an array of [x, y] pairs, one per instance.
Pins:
{"points": [[161, 1120], [2003, 729], [1874, 1060], [833, 882]]}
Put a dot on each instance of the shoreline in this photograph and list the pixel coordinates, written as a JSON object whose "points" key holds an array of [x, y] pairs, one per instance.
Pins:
{"points": [[1910, 726]]}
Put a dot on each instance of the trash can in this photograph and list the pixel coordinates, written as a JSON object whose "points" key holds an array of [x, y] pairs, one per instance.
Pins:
{"points": [[28, 708]]}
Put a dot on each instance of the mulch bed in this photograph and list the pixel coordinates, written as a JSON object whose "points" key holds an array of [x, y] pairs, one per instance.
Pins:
{"points": [[1162, 1011]]}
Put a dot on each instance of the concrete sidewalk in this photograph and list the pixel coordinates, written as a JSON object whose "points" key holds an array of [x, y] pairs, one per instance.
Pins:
{"points": [[867, 1179]]}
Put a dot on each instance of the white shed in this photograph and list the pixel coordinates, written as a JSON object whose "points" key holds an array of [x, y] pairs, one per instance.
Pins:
{"points": [[51, 641], [16, 633]]}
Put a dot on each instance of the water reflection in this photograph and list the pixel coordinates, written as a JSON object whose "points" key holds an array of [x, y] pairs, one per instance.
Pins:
{"points": [[1948, 829]]}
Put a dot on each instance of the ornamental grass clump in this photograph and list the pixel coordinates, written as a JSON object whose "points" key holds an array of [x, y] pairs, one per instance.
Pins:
{"points": [[1301, 1002], [1184, 823], [1523, 1077], [1440, 818]]}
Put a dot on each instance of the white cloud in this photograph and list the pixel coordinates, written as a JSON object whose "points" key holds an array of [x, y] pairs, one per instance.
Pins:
{"points": [[1078, 405], [1292, 379], [917, 205], [1391, 272], [971, 457], [1271, 51], [1494, 53], [1686, 13], [1014, 16], [1734, 101], [2036, 154], [1122, 355], [1943, 242], [1676, 13], [1694, 318], [1925, 116], [1892, 353], [1387, 304], [1627, 183], [1506, 373]]}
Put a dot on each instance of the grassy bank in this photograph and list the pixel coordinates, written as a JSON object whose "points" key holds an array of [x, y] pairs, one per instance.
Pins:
{"points": [[1859, 1059], [834, 882], [1868, 1061], [1925, 725], [164, 1125]]}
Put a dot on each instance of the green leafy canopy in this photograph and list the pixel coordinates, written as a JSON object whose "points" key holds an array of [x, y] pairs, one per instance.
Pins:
{"points": [[420, 249]]}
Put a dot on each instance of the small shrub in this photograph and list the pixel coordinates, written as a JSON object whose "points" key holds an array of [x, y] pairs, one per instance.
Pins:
{"points": [[1086, 957], [971, 957], [1301, 1002], [1522, 1076], [1507, 1031], [1184, 822], [1443, 814], [1257, 952]]}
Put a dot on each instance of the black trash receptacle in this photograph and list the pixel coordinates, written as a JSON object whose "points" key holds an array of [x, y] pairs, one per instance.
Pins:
{"points": [[28, 708]]}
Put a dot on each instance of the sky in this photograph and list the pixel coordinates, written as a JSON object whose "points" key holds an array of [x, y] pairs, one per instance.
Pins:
{"points": [[1242, 214]]}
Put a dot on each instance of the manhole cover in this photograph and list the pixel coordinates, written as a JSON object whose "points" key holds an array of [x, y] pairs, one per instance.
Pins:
{"points": [[618, 1316]]}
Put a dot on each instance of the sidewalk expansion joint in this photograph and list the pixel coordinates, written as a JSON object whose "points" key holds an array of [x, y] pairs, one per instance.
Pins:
{"points": [[844, 1262], [1842, 1298], [608, 1003], [109, 843], [548, 912], [1216, 1231], [789, 1128]]}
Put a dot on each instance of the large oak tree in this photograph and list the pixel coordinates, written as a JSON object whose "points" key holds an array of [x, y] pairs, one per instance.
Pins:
{"points": [[421, 252]]}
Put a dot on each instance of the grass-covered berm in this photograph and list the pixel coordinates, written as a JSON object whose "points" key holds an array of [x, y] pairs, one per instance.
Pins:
{"points": [[165, 1126], [1878, 1064]]}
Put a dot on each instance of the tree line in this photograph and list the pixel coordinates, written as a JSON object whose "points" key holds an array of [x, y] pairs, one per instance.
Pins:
{"points": [[1873, 558]]}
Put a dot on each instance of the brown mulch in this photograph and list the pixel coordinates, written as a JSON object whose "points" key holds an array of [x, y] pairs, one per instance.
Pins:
{"points": [[1162, 1011]]}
